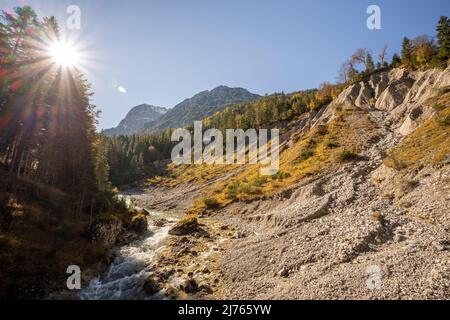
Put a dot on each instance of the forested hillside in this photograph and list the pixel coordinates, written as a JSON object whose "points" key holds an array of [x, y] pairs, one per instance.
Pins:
{"points": [[54, 177]]}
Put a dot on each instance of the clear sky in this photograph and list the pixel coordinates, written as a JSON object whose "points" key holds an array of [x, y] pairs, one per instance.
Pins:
{"points": [[164, 51]]}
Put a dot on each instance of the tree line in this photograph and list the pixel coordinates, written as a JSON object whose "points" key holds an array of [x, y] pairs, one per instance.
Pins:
{"points": [[421, 53], [131, 158]]}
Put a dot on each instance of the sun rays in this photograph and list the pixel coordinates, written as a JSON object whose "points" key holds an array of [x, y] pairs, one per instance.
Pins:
{"points": [[64, 54]]}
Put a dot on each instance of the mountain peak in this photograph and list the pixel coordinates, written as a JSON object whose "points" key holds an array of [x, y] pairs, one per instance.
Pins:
{"points": [[200, 106], [136, 119], [146, 118]]}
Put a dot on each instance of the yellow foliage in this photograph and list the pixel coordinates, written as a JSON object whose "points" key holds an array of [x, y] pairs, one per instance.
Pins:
{"points": [[429, 144], [246, 183]]}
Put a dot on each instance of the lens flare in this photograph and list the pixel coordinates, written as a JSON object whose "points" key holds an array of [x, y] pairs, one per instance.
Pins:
{"points": [[64, 55]]}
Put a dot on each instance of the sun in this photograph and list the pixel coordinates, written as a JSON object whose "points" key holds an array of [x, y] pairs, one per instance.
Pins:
{"points": [[64, 54]]}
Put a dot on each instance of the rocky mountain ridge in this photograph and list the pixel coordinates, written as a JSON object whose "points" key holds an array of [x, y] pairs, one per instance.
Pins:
{"points": [[136, 119], [148, 119], [199, 107]]}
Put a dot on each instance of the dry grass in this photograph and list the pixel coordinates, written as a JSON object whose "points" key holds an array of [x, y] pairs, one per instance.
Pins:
{"points": [[429, 144]]}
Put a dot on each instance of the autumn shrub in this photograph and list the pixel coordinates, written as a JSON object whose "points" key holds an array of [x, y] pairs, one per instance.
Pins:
{"points": [[211, 203], [331, 144], [348, 155], [305, 155], [280, 175], [322, 130]]}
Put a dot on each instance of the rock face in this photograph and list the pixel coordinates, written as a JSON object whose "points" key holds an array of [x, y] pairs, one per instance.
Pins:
{"points": [[106, 232], [199, 107], [113, 231], [399, 93], [136, 120]]}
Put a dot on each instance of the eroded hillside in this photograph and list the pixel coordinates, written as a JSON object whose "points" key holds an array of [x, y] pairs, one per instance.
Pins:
{"points": [[363, 185]]}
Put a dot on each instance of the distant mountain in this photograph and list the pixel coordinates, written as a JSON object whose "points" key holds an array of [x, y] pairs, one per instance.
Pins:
{"points": [[136, 120], [200, 106]]}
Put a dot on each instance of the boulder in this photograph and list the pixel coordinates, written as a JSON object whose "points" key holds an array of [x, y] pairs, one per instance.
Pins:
{"points": [[185, 226], [106, 232], [284, 272], [139, 223], [190, 286], [159, 222], [170, 292], [151, 286], [205, 288]]}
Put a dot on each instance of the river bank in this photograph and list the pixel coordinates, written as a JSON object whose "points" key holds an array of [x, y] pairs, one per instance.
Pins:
{"points": [[160, 265]]}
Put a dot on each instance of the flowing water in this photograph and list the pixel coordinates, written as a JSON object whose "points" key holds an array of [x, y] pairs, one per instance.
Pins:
{"points": [[131, 267]]}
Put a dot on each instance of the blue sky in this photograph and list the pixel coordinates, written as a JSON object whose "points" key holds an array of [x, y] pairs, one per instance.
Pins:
{"points": [[164, 51]]}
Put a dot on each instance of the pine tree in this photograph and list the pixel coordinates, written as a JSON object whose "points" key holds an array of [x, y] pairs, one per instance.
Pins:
{"points": [[49, 134], [396, 61], [406, 52], [102, 166], [443, 37], [369, 63]]}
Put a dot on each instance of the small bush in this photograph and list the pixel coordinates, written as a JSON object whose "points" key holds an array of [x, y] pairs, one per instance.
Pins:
{"points": [[389, 196], [211, 203], [347, 155], [247, 188], [232, 191], [405, 204], [280, 175], [322, 130], [395, 163], [331, 145], [408, 185], [305, 155], [260, 181]]}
